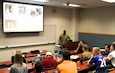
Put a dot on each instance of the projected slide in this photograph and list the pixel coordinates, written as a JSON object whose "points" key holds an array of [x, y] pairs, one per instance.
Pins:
{"points": [[22, 17]]}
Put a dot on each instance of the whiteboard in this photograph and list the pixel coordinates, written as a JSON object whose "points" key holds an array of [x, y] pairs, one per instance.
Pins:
{"points": [[27, 39]]}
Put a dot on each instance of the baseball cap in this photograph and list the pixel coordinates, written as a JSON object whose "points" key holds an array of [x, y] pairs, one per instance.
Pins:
{"points": [[48, 53]]}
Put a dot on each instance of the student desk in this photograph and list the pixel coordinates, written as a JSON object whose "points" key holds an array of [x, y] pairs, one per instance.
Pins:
{"points": [[8, 63], [30, 66], [112, 71], [81, 67], [28, 58]]}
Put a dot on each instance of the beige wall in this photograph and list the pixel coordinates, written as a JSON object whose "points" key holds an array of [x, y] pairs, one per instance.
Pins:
{"points": [[97, 20], [61, 17]]}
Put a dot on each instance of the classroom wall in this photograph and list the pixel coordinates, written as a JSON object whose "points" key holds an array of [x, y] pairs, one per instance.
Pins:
{"points": [[62, 18], [97, 20]]}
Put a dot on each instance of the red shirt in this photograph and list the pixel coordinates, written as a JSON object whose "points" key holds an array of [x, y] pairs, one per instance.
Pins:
{"points": [[49, 62]]}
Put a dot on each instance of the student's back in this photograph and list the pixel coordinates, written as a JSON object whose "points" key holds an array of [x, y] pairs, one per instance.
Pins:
{"points": [[86, 54], [38, 66], [18, 66], [67, 67], [49, 62], [19, 69], [98, 61]]}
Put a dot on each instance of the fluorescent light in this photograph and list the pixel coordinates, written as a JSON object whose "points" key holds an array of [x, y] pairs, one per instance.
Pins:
{"points": [[109, 1], [41, 0], [71, 5]]}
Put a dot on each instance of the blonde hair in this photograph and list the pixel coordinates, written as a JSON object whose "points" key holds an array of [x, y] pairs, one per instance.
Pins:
{"points": [[18, 60], [96, 50], [113, 42], [86, 47], [18, 51]]}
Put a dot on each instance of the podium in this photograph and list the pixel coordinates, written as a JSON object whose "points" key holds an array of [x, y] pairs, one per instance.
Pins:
{"points": [[71, 45]]}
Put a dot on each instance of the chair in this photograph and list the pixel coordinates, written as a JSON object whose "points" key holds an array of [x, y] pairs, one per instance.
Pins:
{"points": [[35, 52], [2, 65], [102, 70]]}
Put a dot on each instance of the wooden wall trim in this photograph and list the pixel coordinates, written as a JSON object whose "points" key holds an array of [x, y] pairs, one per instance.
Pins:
{"points": [[96, 33]]}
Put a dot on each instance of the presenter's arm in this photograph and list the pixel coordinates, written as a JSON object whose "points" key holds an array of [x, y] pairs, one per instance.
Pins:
{"points": [[77, 47]]}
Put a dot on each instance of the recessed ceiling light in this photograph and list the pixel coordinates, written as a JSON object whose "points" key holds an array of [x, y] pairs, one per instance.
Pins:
{"points": [[41, 0], [71, 5], [109, 1]]}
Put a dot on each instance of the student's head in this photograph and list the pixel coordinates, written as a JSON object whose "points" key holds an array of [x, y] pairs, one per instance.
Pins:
{"points": [[18, 59], [64, 32], [48, 54], [113, 42], [66, 55], [81, 42], [38, 66], [85, 47], [18, 51], [112, 47], [96, 51], [107, 47]]}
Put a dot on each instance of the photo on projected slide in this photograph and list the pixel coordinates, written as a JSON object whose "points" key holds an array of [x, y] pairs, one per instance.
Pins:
{"points": [[9, 11], [21, 10], [35, 12], [9, 8], [10, 24], [38, 11]]}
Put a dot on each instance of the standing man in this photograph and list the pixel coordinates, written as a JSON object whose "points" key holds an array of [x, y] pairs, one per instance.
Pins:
{"points": [[64, 38]]}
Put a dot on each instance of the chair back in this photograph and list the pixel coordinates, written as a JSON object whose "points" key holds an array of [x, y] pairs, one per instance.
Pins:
{"points": [[2, 65], [102, 70]]}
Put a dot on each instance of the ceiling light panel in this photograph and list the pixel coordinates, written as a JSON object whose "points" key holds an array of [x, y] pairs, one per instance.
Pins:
{"points": [[109, 1]]}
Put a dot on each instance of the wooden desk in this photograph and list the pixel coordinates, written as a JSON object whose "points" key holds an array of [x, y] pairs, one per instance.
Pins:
{"points": [[112, 71], [71, 51], [30, 67], [80, 55], [7, 63], [83, 66], [29, 59], [4, 70]]}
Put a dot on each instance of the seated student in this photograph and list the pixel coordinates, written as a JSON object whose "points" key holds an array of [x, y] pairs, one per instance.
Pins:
{"points": [[38, 66], [59, 58], [111, 57], [86, 54], [107, 50], [18, 51], [67, 66], [98, 60], [18, 66], [49, 62], [79, 48]]}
